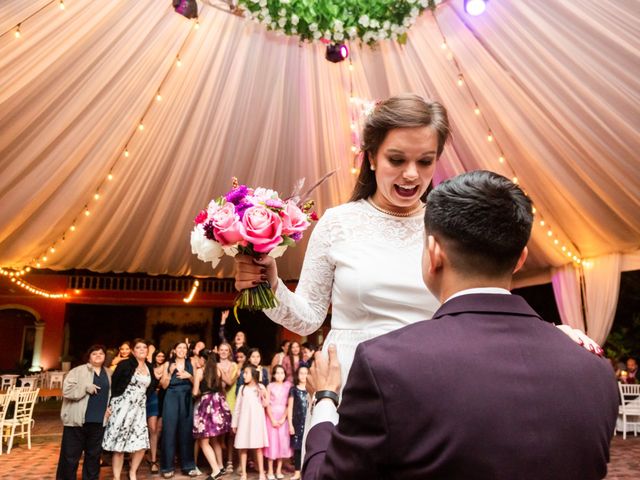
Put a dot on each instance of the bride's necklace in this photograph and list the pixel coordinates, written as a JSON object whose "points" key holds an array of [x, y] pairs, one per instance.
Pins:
{"points": [[395, 214]]}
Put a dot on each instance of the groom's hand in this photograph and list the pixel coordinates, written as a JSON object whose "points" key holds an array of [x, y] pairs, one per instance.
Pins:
{"points": [[325, 372]]}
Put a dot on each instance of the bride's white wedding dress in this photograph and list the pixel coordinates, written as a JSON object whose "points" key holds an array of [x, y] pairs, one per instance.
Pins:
{"points": [[367, 265]]}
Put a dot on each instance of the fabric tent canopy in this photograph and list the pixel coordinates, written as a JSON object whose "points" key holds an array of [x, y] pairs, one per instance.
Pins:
{"points": [[556, 82]]}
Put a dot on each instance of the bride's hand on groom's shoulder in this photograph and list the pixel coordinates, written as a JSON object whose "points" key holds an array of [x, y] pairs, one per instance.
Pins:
{"points": [[325, 372], [581, 339]]}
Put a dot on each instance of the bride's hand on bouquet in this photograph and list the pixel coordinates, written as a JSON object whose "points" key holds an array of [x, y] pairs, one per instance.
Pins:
{"points": [[251, 271], [581, 339]]}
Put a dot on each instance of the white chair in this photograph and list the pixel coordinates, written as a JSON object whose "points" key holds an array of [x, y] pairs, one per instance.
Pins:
{"points": [[55, 379], [629, 407], [22, 417], [8, 381], [5, 399], [31, 382]]}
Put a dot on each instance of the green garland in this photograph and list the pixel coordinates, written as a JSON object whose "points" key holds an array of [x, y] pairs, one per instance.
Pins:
{"points": [[336, 21]]}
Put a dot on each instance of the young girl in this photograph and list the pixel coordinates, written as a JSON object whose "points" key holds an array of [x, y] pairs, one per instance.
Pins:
{"points": [[154, 409], [212, 417], [254, 359], [297, 415], [249, 421], [277, 426]]}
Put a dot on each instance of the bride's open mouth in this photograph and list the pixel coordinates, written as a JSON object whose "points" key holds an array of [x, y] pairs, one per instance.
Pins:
{"points": [[406, 191]]}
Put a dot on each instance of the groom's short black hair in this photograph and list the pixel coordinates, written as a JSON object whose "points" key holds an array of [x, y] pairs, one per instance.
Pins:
{"points": [[483, 221]]}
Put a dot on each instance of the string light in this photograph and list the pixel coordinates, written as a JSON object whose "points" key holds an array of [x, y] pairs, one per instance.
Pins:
{"points": [[35, 290], [14, 273], [61, 5], [461, 81], [194, 288], [17, 33], [178, 62], [98, 193]]}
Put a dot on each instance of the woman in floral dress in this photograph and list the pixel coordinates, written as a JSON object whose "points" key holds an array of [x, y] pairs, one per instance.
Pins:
{"points": [[126, 429]]}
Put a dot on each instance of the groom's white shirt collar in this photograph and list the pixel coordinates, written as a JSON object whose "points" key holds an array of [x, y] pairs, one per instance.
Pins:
{"points": [[469, 291]]}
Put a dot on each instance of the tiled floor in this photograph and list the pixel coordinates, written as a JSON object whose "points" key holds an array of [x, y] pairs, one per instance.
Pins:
{"points": [[40, 462]]}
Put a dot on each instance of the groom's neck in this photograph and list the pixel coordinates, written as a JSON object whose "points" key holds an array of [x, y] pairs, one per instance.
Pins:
{"points": [[453, 282]]}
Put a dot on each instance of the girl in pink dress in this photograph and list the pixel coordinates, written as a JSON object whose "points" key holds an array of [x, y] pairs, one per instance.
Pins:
{"points": [[277, 426], [249, 421]]}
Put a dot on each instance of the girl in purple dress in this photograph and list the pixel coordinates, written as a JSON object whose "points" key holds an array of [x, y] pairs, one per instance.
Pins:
{"points": [[277, 426], [212, 416]]}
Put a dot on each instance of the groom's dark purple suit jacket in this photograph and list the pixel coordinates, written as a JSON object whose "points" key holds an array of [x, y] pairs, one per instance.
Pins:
{"points": [[484, 390]]}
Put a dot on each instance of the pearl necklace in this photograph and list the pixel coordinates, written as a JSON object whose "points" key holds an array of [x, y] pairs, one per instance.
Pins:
{"points": [[395, 214]]}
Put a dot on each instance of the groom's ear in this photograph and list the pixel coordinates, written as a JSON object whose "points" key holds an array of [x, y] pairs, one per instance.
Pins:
{"points": [[523, 257], [435, 254]]}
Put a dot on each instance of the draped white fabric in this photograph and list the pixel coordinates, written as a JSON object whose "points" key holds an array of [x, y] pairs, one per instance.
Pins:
{"points": [[557, 82], [566, 288], [602, 284]]}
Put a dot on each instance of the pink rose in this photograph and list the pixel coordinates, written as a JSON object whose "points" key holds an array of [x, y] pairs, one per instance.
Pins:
{"points": [[294, 220], [227, 227], [262, 228]]}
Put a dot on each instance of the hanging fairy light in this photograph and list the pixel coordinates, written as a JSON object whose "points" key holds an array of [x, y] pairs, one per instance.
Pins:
{"points": [[461, 81], [99, 192]]}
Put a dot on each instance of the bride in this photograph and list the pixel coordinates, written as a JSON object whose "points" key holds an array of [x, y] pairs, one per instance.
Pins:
{"points": [[363, 257]]}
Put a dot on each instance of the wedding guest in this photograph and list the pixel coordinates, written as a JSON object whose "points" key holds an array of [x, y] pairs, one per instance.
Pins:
{"points": [[292, 361], [502, 393], [255, 359], [154, 409], [279, 356], [249, 421], [177, 414], [308, 351], [297, 407], [124, 351], [242, 355], [229, 372], [277, 426], [361, 256], [126, 429], [630, 374], [85, 396], [239, 340], [212, 417]]}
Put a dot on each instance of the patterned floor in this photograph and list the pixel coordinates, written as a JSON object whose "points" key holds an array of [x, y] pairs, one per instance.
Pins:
{"points": [[40, 462]]}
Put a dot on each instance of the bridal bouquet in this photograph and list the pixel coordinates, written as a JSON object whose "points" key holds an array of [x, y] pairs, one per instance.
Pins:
{"points": [[251, 221]]}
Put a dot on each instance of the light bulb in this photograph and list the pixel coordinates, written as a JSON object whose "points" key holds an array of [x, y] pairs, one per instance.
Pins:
{"points": [[555, 241], [549, 233], [52, 250], [514, 180], [141, 126], [72, 228], [542, 223], [159, 97], [96, 196], [489, 137], [61, 5], [443, 45], [110, 177], [87, 213], [501, 159], [460, 80], [476, 111], [126, 153], [17, 34], [178, 62]]}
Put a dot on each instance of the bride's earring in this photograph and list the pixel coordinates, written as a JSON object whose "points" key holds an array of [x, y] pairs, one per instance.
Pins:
{"points": [[372, 167]]}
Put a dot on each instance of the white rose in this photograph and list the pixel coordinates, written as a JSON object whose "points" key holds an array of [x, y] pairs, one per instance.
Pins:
{"points": [[364, 21], [374, 23], [206, 250], [338, 36], [327, 35], [285, 2], [282, 22], [317, 35], [386, 25], [406, 22], [394, 36], [267, 20], [264, 12], [338, 26], [263, 3], [294, 19], [278, 251], [382, 34], [273, 25], [313, 27], [352, 32], [414, 12], [424, 3]]}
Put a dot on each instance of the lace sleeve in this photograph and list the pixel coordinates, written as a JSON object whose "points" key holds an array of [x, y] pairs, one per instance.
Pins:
{"points": [[304, 311]]}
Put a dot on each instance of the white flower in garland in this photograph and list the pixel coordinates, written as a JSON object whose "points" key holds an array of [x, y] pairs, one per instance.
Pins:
{"points": [[335, 21]]}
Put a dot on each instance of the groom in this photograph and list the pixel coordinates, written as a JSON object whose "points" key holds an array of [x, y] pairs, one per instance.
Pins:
{"points": [[485, 390]]}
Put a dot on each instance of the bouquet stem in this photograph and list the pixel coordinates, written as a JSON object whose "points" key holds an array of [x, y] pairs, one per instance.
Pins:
{"points": [[254, 299]]}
